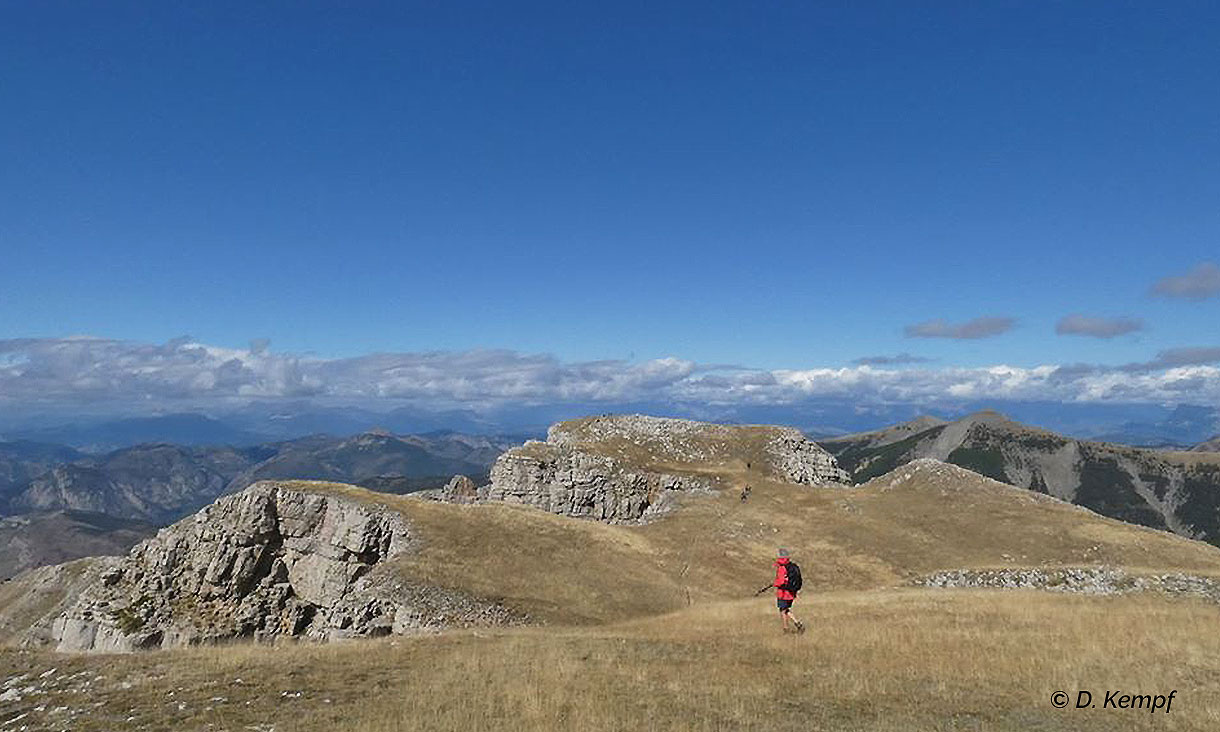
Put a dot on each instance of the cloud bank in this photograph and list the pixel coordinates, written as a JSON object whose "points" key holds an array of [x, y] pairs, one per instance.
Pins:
{"points": [[183, 373], [969, 330], [1085, 325], [1199, 283], [895, 360]]}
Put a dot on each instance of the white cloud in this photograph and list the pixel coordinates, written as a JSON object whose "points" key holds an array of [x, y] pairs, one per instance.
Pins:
{"points": [[82, 371]]}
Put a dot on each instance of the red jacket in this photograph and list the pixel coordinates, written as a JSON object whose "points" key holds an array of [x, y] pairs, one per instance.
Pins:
{"points": [[781, 576]]}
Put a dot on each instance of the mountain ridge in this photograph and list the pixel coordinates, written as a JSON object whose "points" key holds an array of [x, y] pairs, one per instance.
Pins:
{"points": [[1179, 491]]}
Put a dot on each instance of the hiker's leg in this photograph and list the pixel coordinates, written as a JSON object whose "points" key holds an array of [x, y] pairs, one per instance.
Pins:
{"points": [[783, 606]]}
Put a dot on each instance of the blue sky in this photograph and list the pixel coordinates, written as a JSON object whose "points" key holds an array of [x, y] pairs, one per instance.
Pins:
{"points": [[779, 185]]}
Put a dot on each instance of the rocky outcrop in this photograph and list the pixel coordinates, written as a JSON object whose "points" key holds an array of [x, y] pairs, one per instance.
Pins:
{"points": [[459, 489], [278, 559], [573, 482], [795, 459], [632, 468], [1082, 580]]}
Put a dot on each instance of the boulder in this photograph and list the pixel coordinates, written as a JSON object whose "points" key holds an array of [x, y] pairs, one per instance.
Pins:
{"points": [[459, 489]]}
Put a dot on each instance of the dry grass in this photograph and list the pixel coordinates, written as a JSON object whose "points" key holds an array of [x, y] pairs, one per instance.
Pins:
{"points": [[874, 660], [649, 627], [1190, 458], [565, 571]]}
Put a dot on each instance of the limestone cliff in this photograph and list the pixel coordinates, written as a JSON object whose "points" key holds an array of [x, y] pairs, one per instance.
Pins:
{"points": [[629, 468], [278, 559]]}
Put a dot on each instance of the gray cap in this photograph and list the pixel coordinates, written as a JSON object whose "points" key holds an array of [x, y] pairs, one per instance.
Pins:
{"points": [[783, 552]]}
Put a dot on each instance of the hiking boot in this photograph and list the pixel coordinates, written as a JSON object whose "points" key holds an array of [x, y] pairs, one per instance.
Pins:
{"points": [[800, 627]]}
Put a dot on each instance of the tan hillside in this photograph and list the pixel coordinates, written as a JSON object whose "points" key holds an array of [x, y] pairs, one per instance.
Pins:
{"points": [[920, 519], [924, 517], [885, 661], [655, 625]]}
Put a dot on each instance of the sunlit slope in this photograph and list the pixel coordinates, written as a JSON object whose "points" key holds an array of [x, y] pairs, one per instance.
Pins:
{"points": [[922, 518], [1179, 491]]}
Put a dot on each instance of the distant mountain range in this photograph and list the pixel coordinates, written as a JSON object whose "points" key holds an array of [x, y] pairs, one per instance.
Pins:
{"points": [[1212, 445], [154, 484], [179, 429], [22, 461], [1179, 491], [51, 490], [1185, 426], [53, 537], [254, 425], [161, 482], [259, 423]]}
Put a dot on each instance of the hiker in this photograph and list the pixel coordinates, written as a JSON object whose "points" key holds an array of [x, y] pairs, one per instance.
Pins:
{"points": [[787, 583], [745, 494]]}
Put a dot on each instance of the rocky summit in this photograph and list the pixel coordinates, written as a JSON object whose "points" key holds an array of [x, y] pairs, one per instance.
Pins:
{"points": [[631, 468], [278, 559]]}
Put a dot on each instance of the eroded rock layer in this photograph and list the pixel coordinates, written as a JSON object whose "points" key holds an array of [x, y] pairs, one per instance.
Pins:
{"points": [[631, 468], [274, 560]]}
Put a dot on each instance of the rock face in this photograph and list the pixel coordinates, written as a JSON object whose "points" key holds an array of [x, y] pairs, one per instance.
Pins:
{"points": [[277, 559], [460, 489], [569, 481], [631, 468], [798, 460]]}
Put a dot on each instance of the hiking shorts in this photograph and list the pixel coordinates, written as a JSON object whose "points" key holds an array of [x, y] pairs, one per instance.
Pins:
{"points": [[783, 605]]}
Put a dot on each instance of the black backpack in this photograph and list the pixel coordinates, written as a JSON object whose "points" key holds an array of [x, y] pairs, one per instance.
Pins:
{"points": [[792, 582]]}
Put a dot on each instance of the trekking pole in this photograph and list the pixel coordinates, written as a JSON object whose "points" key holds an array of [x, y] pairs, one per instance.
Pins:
{"points": [[768, 587]]}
